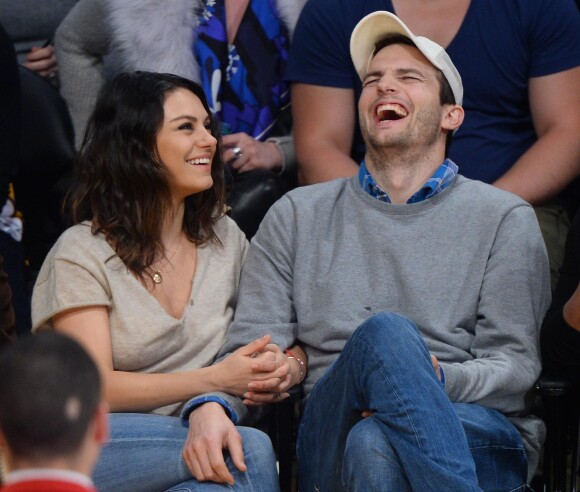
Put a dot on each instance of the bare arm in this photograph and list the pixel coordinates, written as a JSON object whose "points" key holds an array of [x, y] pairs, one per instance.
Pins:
{"points": [[126, 391], [571, 310], [554, 160], [324, 121]]}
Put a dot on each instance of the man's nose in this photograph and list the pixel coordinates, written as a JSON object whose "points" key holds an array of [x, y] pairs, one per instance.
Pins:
{"points": [[387, 85]]}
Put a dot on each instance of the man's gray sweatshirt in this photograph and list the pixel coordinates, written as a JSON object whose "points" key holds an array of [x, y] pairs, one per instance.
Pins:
{"points": [[468, 266]]}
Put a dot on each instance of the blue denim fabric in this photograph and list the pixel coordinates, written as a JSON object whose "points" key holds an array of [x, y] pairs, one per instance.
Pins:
{"points": [[144, 454], [416, 439]]}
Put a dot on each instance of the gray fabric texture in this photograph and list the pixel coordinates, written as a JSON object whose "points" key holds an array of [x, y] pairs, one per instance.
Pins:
{"points": [[468, 266]]}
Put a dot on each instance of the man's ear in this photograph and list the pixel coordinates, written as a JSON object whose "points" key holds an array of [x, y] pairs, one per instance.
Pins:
{"points": [[101, 423], [452, 117]]}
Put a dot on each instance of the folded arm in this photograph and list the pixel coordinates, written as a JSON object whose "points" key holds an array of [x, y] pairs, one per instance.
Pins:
{"points": [[515, 294]]}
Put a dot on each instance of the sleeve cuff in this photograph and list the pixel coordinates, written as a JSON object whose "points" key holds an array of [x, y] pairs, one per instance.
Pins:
{"points": [[192, 404], [286, 147]]}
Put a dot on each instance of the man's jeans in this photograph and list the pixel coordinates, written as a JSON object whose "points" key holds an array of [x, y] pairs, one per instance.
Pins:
{"points": [[416, 440], [144, 454]]}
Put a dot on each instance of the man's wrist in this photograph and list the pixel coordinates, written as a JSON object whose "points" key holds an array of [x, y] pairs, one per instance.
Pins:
{"points": [[299, 363]]}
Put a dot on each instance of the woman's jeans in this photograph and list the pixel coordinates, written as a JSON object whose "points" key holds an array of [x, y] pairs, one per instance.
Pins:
{"points": [[144, 454], [416, 439]]}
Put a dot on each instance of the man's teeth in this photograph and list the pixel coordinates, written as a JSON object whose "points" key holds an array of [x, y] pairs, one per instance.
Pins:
{"points": [[391, 112], [196, 162]]}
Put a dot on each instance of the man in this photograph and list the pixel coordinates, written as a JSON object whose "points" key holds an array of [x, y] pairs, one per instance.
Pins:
{"points": [[519, 60], [53, 420], [437, 271]]}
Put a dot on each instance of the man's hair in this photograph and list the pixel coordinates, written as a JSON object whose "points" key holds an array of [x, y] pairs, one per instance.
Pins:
{"points": [[122, 186], [445, 93], [49, 392]]}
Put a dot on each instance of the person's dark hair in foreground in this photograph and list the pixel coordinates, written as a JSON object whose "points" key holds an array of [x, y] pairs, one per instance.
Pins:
{"points": [[49, 395]]}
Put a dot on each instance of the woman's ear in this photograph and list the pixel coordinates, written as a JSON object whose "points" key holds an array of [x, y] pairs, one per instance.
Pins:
{"points": [[452, 117]]}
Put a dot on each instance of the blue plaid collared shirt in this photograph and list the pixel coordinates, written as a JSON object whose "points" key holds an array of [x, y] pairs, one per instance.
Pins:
{"points": [[440, 179]]}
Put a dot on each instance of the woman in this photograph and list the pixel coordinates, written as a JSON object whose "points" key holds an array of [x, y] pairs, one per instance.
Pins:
{"points": [[235, 49], [147, 280]]}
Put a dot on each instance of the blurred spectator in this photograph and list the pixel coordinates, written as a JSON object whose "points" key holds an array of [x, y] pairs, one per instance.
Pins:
{"points": [[52, 418], [31, 25], [10, 223]]}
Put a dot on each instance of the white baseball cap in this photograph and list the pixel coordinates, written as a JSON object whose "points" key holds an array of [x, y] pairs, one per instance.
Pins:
{"points": [[377, 25]]}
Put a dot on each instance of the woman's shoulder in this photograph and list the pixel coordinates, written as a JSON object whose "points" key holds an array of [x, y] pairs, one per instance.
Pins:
{"points": [[227, 231], [81, 233], [80, 242]]}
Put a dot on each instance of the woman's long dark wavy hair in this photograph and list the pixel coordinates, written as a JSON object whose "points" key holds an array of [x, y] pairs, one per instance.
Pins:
{"points": [[120, 183]]}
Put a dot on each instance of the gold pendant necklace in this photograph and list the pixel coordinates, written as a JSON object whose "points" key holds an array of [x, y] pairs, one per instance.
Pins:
{"points": [[156, 276]]}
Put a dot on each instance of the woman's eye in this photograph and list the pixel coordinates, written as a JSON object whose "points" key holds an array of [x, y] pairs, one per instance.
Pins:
{"points": [[186, 126]]}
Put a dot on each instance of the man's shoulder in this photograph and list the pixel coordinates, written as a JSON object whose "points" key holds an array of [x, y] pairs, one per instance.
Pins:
{"points": [[486, 195], [320, 194]]}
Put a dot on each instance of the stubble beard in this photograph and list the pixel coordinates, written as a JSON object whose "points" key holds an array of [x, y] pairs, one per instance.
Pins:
{"points": [[409, 146]]}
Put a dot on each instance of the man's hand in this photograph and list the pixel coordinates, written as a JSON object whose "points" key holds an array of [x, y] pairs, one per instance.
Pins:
{"points": [[210, 432], [271, 390], [250, 363]]}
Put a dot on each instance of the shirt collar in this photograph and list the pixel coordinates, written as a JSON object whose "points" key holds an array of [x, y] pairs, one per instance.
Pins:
{"points": [[438, 181], [48, 474]]}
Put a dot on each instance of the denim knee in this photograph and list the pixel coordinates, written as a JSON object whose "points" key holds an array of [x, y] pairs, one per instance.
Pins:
{"points": [[370, 462], [387, 330]]}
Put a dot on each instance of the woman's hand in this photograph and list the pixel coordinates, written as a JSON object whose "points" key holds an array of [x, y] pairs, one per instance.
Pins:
{"points": [[210, 432], [272, 390], [253, 363], [245, 153], [42, 61]]}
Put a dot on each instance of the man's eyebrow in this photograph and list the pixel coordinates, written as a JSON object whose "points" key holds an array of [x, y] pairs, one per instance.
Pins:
{"points": [[406, 71]]}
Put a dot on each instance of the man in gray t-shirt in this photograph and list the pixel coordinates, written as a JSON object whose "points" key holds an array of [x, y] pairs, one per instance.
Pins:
{"points": [[416, 293]]}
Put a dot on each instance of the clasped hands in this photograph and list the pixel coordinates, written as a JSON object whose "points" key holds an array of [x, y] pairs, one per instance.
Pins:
{"points": [[260, 373]]}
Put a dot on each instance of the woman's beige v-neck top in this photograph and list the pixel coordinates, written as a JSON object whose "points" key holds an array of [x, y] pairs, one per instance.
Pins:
{"points": [[83, 270]]}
